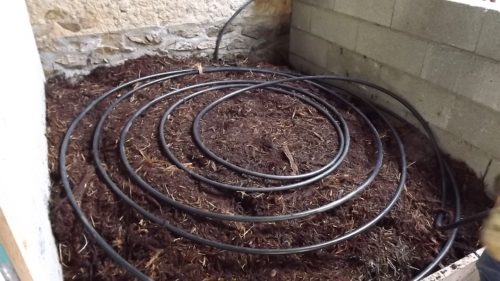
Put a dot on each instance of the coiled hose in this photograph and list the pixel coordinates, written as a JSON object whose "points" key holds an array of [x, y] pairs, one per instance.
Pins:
{"points": [[281, 86], [281, 83]]}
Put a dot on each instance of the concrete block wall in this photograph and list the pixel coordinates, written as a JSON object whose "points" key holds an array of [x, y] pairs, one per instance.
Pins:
{"points": [[75, 36], [441, 55]]}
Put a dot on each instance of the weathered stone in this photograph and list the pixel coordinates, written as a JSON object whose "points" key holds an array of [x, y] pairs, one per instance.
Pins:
{"points": [[179, 55], [117, 30], [238, 44], [149, 39], [56, 14], [109, 14], [111, 39], [67, 45], [124, 6], [107, 50], [86, 23], [98, 60], [186, 31], [163, 51], [257, 32], [203, 55], [181, 46], [137, 39], [262, 44], [88, 44], [72, 61], [206, 45], [127, 49], [213, 31], [71, 26], [153, 39]]}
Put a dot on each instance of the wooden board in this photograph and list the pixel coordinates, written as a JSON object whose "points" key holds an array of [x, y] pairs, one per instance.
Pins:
{"points": [[10, 245]]}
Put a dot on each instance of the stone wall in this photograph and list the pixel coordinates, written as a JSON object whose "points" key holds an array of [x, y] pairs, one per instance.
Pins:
{"points": [[443, 56], [75, 36]]}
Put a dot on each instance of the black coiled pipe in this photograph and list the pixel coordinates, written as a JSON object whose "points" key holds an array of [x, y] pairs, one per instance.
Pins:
{"points": [[280, 83]]}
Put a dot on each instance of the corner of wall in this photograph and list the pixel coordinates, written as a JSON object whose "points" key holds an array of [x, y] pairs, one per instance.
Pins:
{"points": [[442, 56], [24, 184]]}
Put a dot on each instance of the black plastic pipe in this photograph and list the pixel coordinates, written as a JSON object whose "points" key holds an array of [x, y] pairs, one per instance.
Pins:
{"points": [[280, 83]]}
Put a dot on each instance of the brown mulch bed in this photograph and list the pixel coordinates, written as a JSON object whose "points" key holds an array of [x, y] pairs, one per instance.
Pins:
{"points": [[260, 132]]}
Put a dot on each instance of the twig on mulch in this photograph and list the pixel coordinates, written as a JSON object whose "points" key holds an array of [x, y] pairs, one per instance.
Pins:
{"points": [[293, 165], [79, 189]]}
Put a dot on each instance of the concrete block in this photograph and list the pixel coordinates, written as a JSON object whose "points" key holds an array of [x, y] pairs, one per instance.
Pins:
{"points": [[312, 48], [479, 80], [489, 40], [387, 102], [448, 22], [334, 27], [376, 11], [348, 63], [303, 66], [491, 177], [390, 47], [329, 4], [461, 150], [432, 102], [443, 65], [476, 124], [301, 16], [476, 158]]}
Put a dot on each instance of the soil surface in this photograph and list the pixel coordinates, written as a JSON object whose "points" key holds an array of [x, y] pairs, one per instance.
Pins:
{"points": [[262, 131]]}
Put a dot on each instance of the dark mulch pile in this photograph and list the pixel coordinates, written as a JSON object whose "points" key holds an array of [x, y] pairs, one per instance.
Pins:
{"points": [[254, 131]]}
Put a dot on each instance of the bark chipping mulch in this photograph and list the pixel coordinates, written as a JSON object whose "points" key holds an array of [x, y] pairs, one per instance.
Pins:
{"points": [[262, 131]]}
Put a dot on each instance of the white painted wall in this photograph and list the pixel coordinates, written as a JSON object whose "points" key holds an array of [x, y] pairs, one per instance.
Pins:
{"points": [[24, 181]]}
